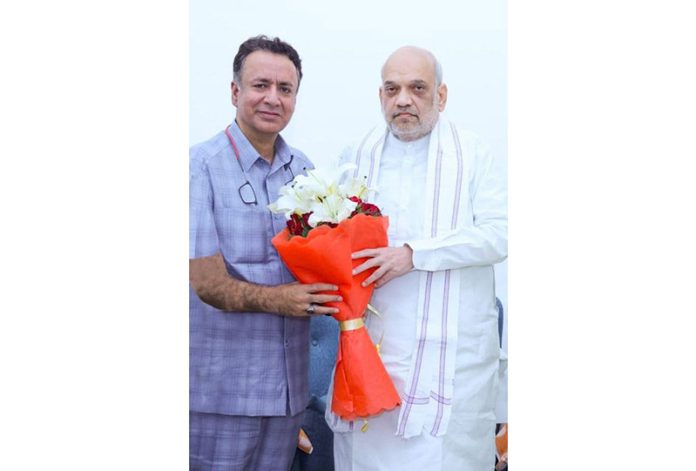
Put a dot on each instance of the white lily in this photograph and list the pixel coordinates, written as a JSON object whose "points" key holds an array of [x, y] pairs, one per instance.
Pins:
{"points": [[353, 187], [327, 178], [320, 193], [290, 201], [333, 208]]}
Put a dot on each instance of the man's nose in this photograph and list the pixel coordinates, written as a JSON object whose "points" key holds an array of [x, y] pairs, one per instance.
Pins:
{"points": [[403, 98], [272, 96]]}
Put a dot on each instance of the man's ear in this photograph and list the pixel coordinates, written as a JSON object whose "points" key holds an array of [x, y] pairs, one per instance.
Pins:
{"points": [[442, 97], [235, 93]]}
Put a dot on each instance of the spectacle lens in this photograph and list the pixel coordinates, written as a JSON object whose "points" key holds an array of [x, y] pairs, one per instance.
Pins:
{"points": [[247, 193]]}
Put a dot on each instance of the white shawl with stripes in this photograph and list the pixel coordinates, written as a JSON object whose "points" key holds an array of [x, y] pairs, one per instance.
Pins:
{"points": [[427, 402]]}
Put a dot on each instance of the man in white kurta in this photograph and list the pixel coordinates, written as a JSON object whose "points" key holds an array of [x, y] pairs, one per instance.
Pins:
{"points": [[435, 290]]}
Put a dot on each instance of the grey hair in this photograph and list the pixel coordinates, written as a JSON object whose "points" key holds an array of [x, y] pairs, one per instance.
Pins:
{"points": [[438, 68], [438, 71]]}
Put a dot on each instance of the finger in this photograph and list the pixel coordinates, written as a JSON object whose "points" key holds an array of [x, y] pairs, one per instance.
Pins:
{"points": [[320, 310], [384, 280], [308, 311], [365, 253], [376, 275], [326, 298], [365, 266], [315, 287]]}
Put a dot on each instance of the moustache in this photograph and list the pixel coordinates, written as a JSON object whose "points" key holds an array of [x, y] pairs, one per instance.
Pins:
{"points": [[400, 112]]}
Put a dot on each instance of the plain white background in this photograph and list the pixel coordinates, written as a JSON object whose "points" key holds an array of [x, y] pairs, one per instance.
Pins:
{"points": [[95, 132]]}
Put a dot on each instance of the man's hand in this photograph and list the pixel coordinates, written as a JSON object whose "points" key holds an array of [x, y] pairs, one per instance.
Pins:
{"points": [[294, 299], [213, 285], [392, 262]]}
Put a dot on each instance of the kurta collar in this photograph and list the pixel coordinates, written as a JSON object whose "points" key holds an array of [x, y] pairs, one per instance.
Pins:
{"points": [[417, 147], [248, 155]]}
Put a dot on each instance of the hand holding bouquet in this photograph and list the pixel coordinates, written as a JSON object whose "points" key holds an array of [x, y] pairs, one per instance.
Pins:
{"points": [[326, 223]]}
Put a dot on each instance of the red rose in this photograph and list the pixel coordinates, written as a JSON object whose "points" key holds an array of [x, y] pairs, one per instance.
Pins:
{"points": [[299, 225], [364, 208], [369, 209]]}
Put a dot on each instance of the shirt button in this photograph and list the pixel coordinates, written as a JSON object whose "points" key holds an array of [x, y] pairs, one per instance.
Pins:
{"points": [[315, 342]]}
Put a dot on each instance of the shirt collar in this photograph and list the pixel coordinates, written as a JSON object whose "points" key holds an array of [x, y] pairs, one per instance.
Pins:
{"points": [[248, 155]]}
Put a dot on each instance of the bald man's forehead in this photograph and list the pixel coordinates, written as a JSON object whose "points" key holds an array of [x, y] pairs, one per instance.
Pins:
{"points": [[416, 64]]}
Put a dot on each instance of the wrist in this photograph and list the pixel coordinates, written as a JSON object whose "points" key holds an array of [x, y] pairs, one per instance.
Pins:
{"points": [[410, 256]]}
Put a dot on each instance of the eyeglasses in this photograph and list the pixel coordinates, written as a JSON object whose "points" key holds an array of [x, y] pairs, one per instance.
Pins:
{"points": [[247, 193]]}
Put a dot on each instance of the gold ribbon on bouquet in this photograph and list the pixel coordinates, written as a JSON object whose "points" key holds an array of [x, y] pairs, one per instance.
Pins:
{"points": [[351, 324]]}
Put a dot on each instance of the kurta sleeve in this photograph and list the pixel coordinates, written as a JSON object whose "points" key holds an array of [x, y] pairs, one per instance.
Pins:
{"points": [[203, 239], [485, 241]]}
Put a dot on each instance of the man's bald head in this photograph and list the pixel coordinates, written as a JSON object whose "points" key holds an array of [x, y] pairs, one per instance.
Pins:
{"points": [[410, 53]]}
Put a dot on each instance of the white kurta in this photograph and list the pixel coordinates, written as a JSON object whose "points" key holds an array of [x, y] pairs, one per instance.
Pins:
{"points": [[468, 444]]}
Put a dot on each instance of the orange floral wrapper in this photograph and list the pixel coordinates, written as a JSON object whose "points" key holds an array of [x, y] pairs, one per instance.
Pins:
{"points": [[362, 386], [501, 447]]}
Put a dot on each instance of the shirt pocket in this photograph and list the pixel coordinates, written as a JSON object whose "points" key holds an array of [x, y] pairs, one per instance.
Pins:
{"points": [[243, 235]]}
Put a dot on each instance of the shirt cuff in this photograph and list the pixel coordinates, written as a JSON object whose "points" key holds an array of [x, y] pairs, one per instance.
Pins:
{"points": [[418, 258]]}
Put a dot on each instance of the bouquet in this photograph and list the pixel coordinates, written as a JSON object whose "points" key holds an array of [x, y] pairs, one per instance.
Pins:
{"points": [[326, 223]]}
